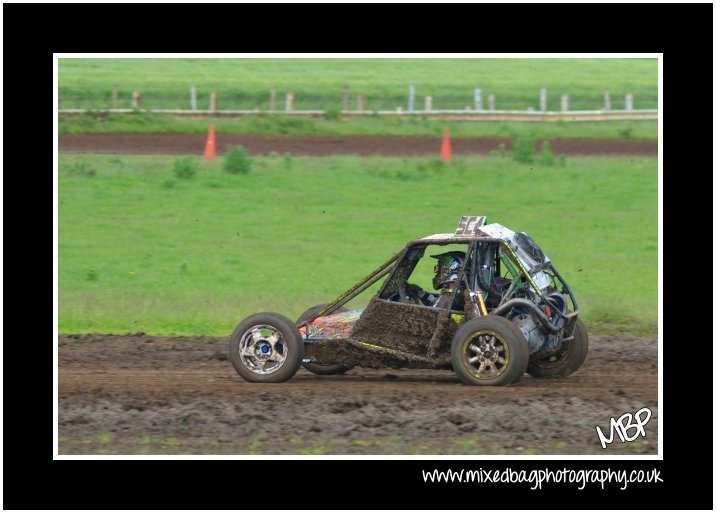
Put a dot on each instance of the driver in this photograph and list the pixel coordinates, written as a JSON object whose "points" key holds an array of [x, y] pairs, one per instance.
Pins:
{"points": [[447, 271]]}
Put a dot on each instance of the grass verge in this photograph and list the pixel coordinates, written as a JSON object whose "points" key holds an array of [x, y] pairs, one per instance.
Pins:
{"points": [[323, 83], [145, 123], [142, 251]]}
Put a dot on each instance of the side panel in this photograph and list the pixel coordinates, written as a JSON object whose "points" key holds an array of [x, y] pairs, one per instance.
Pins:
{"points": [[395, 325]]}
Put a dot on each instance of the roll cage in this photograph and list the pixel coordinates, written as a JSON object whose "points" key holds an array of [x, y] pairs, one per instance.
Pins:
{"points": [[487, 257]]}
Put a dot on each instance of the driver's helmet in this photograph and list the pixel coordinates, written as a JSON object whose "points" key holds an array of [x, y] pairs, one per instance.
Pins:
{"points": [[448, 267]]}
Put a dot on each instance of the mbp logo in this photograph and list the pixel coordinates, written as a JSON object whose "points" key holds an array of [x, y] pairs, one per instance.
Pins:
{"points": [[622, 426]]}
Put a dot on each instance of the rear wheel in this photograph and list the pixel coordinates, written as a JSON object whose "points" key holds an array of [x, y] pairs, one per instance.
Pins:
{"points": [[266, 348], [489, 351], [567, 360], [323, 369]]}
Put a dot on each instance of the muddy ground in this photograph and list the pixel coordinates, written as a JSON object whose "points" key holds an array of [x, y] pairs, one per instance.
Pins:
{"points": [[138, 394], [171, 144]]}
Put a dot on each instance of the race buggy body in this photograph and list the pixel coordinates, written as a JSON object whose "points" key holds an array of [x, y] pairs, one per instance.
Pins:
{"points": [[516, 314]]}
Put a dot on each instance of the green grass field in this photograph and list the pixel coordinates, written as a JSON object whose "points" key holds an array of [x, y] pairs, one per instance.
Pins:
{"points": [[280, 125], [141, 250], [319, 83]]}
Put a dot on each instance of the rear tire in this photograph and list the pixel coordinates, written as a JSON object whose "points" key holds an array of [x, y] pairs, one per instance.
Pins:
{"points": [[323, 369], [489, 350], [565, 362], [266, 348]]}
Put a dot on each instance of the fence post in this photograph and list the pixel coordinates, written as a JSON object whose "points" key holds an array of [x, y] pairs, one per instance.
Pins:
{"points": [[543, 99], [428, 103], [361, 102], [607, 101], [491, 102], [136, 99], [411, 97], [114, 96], [629, 102], [272, 99], [565, 103], [289, 102], [346, 97], [213, 97], [478, 99], [192, 97]]}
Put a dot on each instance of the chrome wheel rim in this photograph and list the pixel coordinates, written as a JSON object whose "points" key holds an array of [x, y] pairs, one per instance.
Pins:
{"points": [[262, 349], [486, 355]]}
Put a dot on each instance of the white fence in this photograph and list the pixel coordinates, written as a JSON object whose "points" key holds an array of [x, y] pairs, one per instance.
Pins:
{"points": [[456, 115], [480, 107]]}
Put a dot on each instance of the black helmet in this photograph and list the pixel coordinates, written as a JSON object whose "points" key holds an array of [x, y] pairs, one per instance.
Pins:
{"points": [[448, 267]]}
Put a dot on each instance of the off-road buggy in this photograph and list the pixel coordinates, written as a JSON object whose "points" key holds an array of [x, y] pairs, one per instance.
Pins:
{"points": [[517, 315]]}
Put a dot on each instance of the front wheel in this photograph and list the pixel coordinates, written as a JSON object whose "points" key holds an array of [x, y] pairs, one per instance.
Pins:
{"points": [[323, 369], [567, 360], [266, 348], [489, 350]]}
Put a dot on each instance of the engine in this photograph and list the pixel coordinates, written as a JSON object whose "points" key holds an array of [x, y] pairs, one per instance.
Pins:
{"points": [[539, 340]]}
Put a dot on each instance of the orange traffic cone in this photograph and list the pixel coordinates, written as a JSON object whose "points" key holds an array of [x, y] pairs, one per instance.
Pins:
{"points": [[445, 148], [210, 148]]}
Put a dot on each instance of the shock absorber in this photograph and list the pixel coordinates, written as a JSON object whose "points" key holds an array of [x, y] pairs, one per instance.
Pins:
{"points": [[481, 303], [474, 304]]}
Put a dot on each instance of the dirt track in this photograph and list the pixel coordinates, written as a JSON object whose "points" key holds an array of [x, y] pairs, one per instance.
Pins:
{"points": [[174, 144], [146, 395]]}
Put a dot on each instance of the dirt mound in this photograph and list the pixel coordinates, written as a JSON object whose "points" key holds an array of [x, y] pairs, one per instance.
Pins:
{"points": [[138, 394], [178, 144]]}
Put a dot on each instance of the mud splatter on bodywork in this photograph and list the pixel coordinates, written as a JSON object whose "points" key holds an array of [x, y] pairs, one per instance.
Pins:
{"points": [[351, 352], [386, 334], [395, 325]]}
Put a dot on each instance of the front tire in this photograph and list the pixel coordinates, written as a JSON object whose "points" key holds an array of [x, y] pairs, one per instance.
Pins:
{"points": [[266, 348], [323, 369], [489, 350], [567, 360]]}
